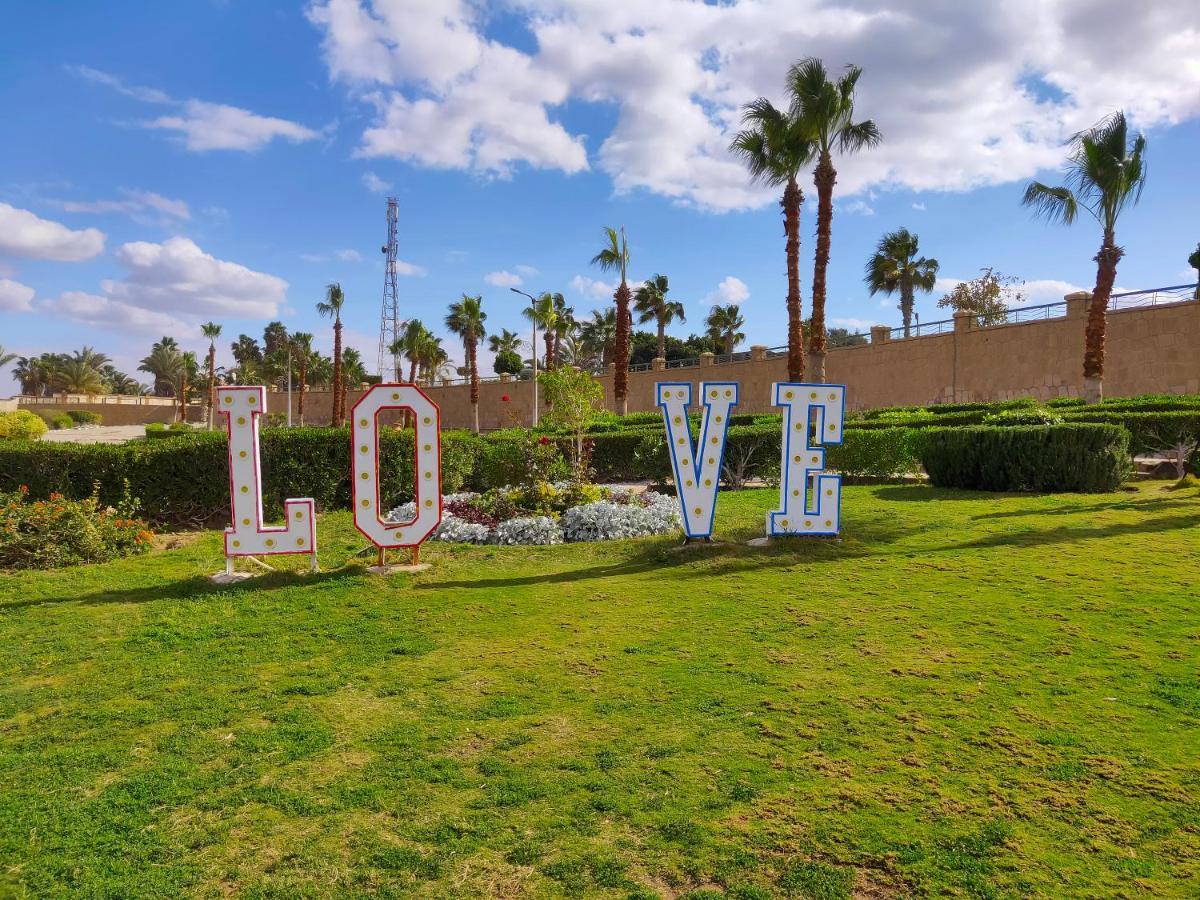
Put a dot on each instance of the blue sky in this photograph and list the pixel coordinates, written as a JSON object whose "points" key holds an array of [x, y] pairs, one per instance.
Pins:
{"points": [[168, 163]]}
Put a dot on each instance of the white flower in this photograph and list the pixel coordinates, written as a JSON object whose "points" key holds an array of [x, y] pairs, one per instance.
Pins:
{"points": [[529, 530]]}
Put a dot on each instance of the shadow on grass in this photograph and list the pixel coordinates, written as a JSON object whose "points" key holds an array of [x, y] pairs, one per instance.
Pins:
{"points": [[1151, 504], [1069, 534], [190, 588]]}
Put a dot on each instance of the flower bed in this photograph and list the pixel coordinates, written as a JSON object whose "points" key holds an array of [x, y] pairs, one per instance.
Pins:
{"points": [[46, 534], [549, 514]]}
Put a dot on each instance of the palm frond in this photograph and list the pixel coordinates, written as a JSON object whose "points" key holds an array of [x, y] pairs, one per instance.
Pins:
{"points": [[1055, 204]]}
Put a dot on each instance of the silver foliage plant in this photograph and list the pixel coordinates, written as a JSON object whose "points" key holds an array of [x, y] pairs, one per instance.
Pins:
{"points": [[604, 520]]}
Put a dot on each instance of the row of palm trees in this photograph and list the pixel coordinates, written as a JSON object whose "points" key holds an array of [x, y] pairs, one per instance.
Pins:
{"points": [[85, 371]]}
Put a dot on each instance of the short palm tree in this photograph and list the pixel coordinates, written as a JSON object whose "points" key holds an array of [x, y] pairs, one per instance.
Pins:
{"points": [[614, 257], [354, 372], [75, 376], [722, 326], [826, 112], [1106, 170], [466, 320], [564, 325], [505, 342], [543, 315], [652, 305], [896, 267], [163, 364], [7, 359], [774, 148], [331, 308], [1194, 262], [598, 335], [302, 346], [212, 331]]}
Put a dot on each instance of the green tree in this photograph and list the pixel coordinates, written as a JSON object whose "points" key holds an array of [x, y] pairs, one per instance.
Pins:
{"points": [[652, 305], [354, 372], [895, 267], [212, 331], [76, 376], [1194, 262], [614, 257], [466, 320], [543, 315], [574, 397], [302, 346], [723, 323], [826, 112], [506, 346], [163, 364], [331, 308], [1106, 171], [564, 325], [986, 297], [598, 336], [774, 146]]}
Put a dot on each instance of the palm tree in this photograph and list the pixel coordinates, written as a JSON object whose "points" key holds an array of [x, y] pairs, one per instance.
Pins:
{"points": [[775, 147], [34, 373], [163, 363], [354, 372], [652, 304], [1105, 171], [212, 331], [723, 323], [302, 347], [432, 357], [826, 112], [598, 334], [7, 359], [331, 308], [614, 257], [543, 315], [564, 325], [76, 376], [895, 266], [182, 378], [466, 320], [1194, 262], [505, 342]]}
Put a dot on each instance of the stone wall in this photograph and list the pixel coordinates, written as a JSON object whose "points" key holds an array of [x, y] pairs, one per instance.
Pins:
{"points": [[1150, 350], [114, 410]]}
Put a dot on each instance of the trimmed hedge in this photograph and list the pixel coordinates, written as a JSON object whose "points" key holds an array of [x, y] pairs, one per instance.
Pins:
{"points": [[164, 475], [1148, 431], [1076, 457]]}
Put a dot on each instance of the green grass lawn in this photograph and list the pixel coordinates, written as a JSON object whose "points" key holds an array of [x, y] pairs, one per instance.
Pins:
{"points": [[968, 694]]}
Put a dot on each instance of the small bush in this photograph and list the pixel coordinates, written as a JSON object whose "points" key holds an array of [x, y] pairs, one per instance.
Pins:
{"points": [[1070, 457], [84, 416], [46, 534], [61, 421], [876, 453], [1032, 415], [21, 425], [1149, 431]]}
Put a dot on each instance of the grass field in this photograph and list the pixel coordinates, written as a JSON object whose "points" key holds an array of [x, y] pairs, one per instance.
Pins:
{"points": [[971, 694]]}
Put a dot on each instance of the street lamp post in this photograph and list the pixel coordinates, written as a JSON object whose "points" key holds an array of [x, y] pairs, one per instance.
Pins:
{"points": [[533, 351]]}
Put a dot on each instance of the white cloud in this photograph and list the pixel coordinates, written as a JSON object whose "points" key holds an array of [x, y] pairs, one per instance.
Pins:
{"points": [[135, 203], [375, 184], [919, 207], [104, 312], [177, 276], [502, 279], [592, 288], [215, 126], [860, 207], [526, 271], [145, 94], [410, 269], [854, 325], [676, 74], [26, 235], [730, 290], [14, 296], [349, 256]]}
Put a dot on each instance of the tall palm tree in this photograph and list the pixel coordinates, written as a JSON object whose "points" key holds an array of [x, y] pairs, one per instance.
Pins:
{"points": [[774, 146], [75, 376], [598, 335], [35, 374], [331, 308], [895, 266], [163, 364], [826, 112], [466, 320], [543, 315], [432, 357], [212, 331], [614, 257], [723, 323], [1105, 171], [182, 379], [1194, 262], [564, 325], [302, 346], [652, 305]]}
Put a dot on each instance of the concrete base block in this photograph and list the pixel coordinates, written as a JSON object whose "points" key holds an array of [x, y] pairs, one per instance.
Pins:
{"points": [[759, 542], [229, 577], [397, 569]]}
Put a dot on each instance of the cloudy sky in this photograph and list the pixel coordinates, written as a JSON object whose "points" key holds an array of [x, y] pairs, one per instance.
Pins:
{"points": [[166, 163]]}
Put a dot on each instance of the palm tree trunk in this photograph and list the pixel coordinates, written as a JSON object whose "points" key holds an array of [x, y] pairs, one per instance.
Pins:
{"points": [[557, 347], [906, 305], [549, 338], [212, 385], [1097, 321], [793, 197], [338, 411], [303, 382], [824, 176], [474, 370], [662, 339], [183, 386], [621, 350]]}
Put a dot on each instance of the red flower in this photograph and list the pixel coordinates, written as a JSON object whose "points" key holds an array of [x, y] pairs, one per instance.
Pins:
{"points": [[543, 440], [24, 489], [504, 398]]}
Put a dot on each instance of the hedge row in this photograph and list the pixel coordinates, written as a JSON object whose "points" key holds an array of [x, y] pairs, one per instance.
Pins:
{"points": [[1080, 457], [1149, 432]]}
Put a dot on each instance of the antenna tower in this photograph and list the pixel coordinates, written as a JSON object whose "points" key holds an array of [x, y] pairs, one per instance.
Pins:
{"points": [[389, 319]]}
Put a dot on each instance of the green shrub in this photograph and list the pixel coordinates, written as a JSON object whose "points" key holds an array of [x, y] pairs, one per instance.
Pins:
{"points": [[876, 453], [921, 419], [1148, 431], [21, 425], [46, 534], [1068, 457], [1033, 415], [84, 416], [61, 421]]}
